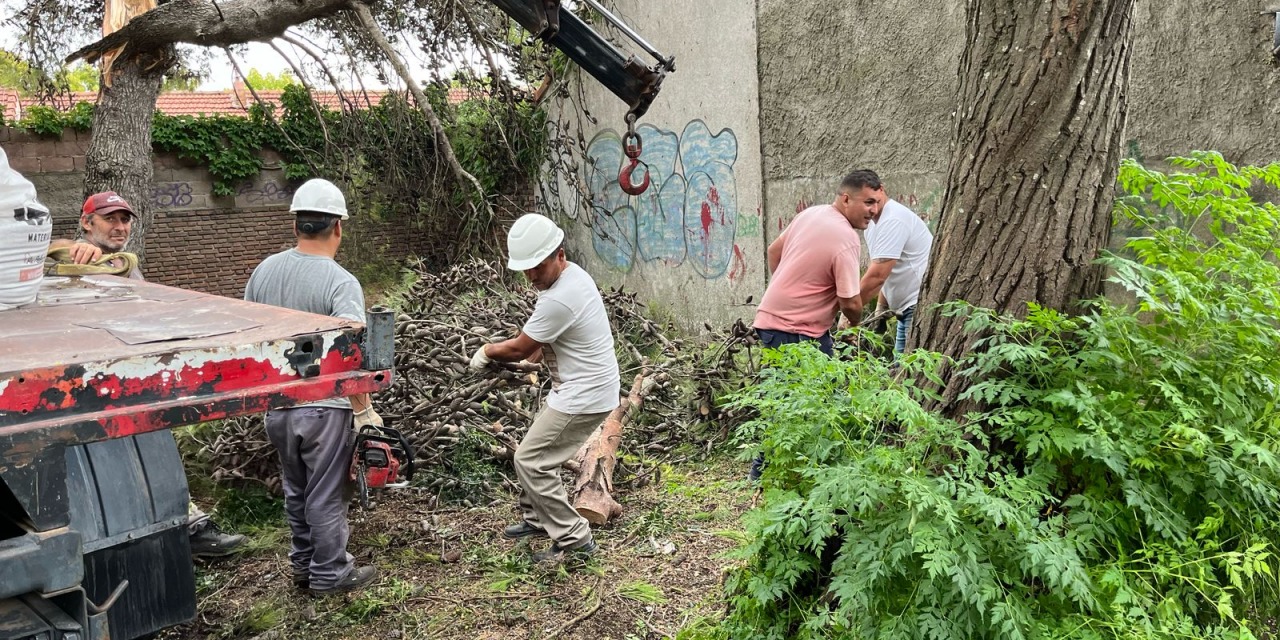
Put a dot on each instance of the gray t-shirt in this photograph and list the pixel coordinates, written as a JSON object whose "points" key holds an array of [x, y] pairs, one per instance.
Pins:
{"points": [[310, 283]]}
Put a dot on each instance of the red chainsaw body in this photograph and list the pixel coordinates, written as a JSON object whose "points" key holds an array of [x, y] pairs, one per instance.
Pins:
{"points": [[381, 466]]}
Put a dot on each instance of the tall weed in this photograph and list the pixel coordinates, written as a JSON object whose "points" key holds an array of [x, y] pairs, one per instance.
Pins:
{"points": [[1121, 480]]}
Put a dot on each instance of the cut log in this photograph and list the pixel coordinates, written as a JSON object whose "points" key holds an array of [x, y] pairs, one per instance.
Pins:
{"points": [[592, 490]]}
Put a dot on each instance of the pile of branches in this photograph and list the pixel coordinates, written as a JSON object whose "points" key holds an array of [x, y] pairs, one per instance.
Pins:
{"points": [[454, 416]]}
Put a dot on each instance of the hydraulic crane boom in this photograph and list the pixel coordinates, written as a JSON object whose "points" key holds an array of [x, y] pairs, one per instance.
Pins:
{"points": [[625, 75]]}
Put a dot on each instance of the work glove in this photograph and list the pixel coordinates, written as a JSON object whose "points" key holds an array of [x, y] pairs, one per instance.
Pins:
{"points": [[481, 359], [367, 418]]}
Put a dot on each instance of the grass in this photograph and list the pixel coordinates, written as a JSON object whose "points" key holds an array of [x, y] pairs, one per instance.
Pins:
{"points": [[263, 616], [494, 590]]}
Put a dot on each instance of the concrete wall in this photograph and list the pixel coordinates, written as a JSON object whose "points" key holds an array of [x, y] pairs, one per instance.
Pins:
{"points": [[1203, 79], [873, 84], [198, 240], [851, 85], [694, 240]]}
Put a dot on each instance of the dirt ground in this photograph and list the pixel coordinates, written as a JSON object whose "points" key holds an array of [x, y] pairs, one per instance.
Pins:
{"points": [[448, 573]]}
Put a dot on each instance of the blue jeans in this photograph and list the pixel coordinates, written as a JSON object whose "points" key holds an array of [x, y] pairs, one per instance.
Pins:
{"points": [[774, 339], [904, 325]]}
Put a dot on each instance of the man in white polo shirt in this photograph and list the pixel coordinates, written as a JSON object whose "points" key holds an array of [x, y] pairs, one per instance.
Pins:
{"points": [[899, 243], [570, 331]]}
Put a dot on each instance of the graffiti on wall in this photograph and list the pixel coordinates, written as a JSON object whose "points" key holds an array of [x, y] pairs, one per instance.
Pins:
{"points": [[689, 214], [172, 195], [267, 192]]}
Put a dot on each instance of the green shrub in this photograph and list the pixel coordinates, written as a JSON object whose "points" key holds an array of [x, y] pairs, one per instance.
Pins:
{"points": [[1121, 480]]}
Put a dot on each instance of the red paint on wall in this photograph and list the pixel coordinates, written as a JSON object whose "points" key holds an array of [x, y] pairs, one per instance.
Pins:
{"points": [[714, 197], [739, 266]]}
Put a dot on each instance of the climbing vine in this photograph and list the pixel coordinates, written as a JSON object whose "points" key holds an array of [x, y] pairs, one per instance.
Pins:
{"points": [[385, 154]]}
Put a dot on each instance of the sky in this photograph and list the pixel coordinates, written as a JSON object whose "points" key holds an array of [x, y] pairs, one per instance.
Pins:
{"points": [[255, 55]]}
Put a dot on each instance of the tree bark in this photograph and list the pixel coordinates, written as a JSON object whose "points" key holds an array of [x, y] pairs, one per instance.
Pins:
{"points": [[119, 154], [209, 24], [1036, 148], [592, 491]]}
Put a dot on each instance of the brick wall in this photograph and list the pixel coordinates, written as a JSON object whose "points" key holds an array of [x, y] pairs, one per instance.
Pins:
{"points": [[201, 241]]}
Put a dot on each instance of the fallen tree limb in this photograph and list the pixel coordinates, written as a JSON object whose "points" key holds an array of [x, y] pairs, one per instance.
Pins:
{"points": [[203, 23], [592, 496], [442, 138]]}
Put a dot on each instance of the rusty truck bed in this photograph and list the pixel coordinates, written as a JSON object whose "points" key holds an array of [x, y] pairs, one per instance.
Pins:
{"points": [[101, 357]]}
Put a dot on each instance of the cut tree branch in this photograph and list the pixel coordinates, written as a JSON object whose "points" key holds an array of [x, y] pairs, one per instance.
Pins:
{"points": [[333, 79], [202, 23], [442, 139], [315, 108], [592, 491]]}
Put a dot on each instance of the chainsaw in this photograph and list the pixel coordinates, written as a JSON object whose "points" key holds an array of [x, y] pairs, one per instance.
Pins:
{"points": [[380, 452]]}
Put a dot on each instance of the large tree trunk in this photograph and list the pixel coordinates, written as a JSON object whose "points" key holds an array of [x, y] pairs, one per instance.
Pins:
{"points": [[119, 154], [1037, 145], [136, 50]]}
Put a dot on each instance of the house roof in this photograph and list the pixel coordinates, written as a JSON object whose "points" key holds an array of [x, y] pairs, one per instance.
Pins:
{"points": [[192, 103]]}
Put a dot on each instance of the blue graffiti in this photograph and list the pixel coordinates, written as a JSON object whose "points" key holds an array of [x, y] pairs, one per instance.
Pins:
{"points": [[690, 212]]}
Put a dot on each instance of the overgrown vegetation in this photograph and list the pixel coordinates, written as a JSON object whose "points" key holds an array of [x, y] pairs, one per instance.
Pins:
{"points": [[384, 154], [1120, 481]]}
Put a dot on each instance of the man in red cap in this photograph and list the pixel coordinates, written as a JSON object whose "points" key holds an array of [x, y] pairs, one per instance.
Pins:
{"points": [[106, 220]]}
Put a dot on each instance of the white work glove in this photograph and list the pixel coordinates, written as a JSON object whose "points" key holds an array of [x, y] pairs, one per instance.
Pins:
{"points": [[368, 417], [481, 359]]}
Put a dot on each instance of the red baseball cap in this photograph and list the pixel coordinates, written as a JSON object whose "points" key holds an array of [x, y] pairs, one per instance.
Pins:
{"points": [[106, 202]]}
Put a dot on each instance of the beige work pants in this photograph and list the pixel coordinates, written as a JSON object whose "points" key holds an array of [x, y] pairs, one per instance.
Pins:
{"points": [[552, 439]]}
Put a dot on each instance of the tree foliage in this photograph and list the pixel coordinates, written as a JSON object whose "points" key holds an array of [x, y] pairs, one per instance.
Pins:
{"points": [[269, 81], [19, 75], [1119, 481]]}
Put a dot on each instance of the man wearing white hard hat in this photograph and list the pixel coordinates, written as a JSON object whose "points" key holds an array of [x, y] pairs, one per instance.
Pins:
{"points": [[570, 331], [315, 441]]}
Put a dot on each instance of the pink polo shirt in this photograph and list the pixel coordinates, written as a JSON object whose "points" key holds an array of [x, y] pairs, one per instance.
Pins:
{"points": [[820, 251]]}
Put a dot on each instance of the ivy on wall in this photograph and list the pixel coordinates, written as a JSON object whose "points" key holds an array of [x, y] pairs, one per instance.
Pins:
{"points": [[307, 137], [384, 155]]}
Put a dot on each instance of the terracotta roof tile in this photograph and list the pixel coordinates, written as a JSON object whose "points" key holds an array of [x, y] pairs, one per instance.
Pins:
{"points": [[193, 103]]}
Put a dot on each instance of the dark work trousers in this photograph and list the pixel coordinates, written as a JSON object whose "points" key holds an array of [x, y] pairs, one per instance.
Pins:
{"points": [[315, 446], [773, 339]]}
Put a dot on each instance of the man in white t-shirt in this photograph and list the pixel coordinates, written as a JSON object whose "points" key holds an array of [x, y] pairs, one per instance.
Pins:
{"points": [[570, 331], [898, 242]]}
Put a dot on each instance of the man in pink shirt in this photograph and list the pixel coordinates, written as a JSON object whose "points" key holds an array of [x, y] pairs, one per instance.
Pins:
{"points": [[815, 272], [815, 267]]}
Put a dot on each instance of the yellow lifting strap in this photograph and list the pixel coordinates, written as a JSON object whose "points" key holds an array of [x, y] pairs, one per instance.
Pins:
{"points": [[114, 264]]}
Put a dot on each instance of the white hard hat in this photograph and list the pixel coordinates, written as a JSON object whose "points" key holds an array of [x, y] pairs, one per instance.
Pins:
{"points": [[532, 238], [320, 196]]}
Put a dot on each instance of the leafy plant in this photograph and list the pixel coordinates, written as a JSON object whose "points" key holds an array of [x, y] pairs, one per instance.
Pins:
{"points": [[1120, 480]]}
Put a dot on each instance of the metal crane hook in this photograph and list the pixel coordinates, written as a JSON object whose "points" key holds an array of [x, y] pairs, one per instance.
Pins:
{"points": [[632, 146]]}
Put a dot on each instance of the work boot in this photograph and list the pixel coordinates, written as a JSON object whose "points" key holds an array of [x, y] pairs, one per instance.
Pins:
{"points": [[302, 581], [358, 578], [210, 542], [556, 553], [523, 529]]}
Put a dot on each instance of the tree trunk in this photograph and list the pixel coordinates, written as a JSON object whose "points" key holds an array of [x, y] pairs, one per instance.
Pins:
{"points": [[1037, 145], [597, 457], [119, 154]]}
